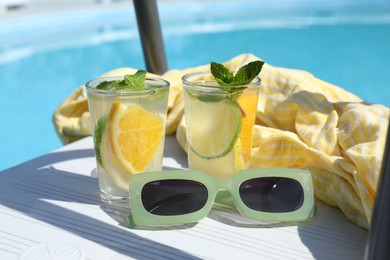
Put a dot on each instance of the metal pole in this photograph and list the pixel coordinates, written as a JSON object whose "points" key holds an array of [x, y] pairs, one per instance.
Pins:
{"points": [[151, 36], [378, 243]]}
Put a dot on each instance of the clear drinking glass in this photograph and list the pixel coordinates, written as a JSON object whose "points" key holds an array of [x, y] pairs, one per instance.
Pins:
{"points": [[129, 132], [219, 124]]}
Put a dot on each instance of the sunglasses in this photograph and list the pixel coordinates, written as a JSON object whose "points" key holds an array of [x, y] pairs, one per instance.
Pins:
{"points": [[173, 197]]}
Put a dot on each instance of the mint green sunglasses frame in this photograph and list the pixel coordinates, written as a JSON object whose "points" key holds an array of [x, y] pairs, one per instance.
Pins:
{"points": [[139, 216]]}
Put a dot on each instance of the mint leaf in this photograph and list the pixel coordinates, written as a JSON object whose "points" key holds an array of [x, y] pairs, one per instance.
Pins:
{"points": [[221, 73], [135, 81], [248, 72], [220, 82], [107, 85]]}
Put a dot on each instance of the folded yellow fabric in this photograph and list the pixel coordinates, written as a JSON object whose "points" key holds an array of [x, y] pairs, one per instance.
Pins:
{"points": [[301, 122]]}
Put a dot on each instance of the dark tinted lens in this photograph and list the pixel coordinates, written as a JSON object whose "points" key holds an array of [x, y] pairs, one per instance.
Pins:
{"points": [[272, 194], [173, 197]]}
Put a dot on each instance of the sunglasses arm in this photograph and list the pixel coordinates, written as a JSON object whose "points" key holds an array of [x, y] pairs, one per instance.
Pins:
{"points": [[129, 222], [312, 212]]}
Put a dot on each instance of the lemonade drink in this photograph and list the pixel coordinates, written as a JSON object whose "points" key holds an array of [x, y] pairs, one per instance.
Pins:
{"points": [[219, 124], [128, 129]]}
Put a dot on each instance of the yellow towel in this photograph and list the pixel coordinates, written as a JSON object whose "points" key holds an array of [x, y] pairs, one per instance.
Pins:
{"points": [[301, 122]]}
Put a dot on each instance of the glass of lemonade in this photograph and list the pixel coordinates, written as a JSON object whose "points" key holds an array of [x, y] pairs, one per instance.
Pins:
{"points": [[128, 131], [219, 124]]}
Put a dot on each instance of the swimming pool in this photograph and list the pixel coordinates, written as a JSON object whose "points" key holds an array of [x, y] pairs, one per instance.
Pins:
{"points": [[42, 59]]}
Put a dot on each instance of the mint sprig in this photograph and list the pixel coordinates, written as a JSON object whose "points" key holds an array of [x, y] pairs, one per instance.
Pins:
{"points": [[236, 82], [135, 82]]}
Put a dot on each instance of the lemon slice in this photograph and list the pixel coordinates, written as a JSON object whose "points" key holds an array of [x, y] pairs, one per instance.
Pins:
{"points": [[113, 169], [214, 135], [135, 135]]}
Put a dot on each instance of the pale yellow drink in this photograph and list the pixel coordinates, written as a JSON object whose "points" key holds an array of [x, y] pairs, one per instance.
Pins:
{"points": [[219, 124], [128, 130]]}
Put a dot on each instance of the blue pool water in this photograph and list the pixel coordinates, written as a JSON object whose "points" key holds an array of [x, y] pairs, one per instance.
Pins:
{"points": [[40, 65]]}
